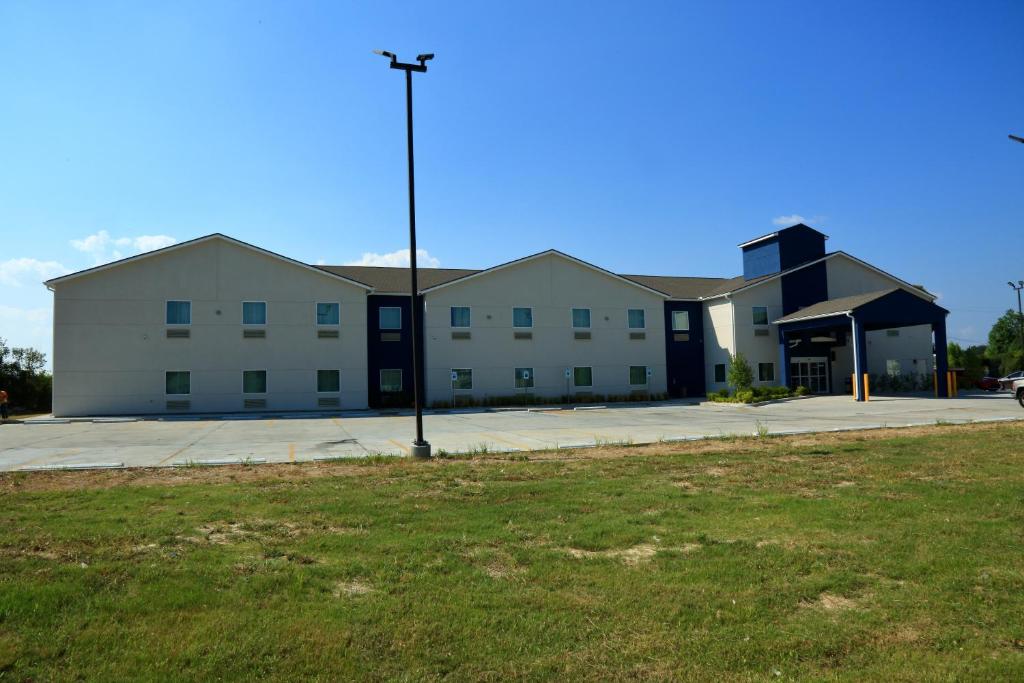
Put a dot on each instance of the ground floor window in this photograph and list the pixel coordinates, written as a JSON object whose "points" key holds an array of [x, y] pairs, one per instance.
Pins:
{"points": [[638, 375], [328, 381], [462, 378], [719, 372], [390, 381], [892, 367], [178, 382], [524, 378], [583, 377], [254, 381], [766, 372]]}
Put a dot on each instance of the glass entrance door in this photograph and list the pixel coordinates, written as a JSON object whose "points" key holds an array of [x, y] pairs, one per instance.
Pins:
{"points": [[809, 372]]}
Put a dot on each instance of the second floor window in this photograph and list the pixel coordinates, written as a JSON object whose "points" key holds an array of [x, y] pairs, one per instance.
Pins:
{"points": [[179, 312], [760, 315], [390, 318], [636, 318], [460, 316], [254, 313], [680, 321], [328, 314], [522, 317], [581, 317]]}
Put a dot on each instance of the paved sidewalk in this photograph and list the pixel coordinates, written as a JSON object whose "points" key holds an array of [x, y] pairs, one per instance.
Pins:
{"points": [[133, 442]]}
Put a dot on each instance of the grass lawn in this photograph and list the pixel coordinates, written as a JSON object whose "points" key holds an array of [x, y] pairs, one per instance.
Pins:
{"points": [[895, 555]]}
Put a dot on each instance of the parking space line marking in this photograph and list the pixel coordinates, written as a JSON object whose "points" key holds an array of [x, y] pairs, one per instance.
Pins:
{"points": [[510, 442], [291, 452], [400, 445]]}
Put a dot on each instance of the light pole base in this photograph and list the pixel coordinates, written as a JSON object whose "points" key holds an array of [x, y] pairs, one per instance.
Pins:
{"points": [[420, 450]]}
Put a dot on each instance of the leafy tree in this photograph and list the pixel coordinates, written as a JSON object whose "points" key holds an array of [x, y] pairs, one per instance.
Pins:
{"points": [[1004, 344], [22, 376], [740, 376]]}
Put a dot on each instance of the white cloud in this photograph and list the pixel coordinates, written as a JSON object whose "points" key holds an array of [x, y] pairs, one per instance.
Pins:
{"points": [[20, 271], [786, 221], [793, 219], [104, 248], [399, 259]]}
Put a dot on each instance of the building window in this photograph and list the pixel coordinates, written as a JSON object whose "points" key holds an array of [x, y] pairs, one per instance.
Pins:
{"points": [[680, 321], [462, 378], [719, 372], [583, 377], [522, 317], [254, 313], [328, 314], [179, 312], [390, 381], [636, 318], [766, 372], [892, 333], [390, 318], [328, 381], [760, 315], [892, 367], [178, 382], [524, 378], [254, 381], [460, 316], [581, 317], [638, 375]]}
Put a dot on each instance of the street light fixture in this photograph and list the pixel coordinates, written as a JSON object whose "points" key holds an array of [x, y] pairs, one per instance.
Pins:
{"points": [[420, 447], [1018, 139]]}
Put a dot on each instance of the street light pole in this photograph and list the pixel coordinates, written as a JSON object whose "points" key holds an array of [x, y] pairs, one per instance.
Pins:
{"points": [[420, 447], [1020, 314]]}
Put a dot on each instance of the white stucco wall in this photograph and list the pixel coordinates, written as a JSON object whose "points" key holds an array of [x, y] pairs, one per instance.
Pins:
{"points": [[552, 285], [718, 340], [111, 349]]}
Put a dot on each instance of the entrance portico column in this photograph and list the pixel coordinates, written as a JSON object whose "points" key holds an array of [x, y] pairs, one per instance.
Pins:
{"points": [[941, 358], [860, 357], [783, 359]]}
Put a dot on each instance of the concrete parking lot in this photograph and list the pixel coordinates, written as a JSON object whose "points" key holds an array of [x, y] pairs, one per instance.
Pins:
{"points": [[132, 442]]}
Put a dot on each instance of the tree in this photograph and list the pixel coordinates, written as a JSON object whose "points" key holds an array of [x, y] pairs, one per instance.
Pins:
{"points": [[23, 377], [740, 377], [1004, 343]]}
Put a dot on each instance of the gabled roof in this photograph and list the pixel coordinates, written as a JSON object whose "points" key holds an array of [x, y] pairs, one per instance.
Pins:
{"points": [[199, 240], [739, 284], [830, 307], [770, 235], [394, 280], [694, 288], [549, 252]]}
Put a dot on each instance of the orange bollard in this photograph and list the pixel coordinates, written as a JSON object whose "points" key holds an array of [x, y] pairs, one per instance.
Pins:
{"points": [[935, 382], [867, 390], [853, 385]]}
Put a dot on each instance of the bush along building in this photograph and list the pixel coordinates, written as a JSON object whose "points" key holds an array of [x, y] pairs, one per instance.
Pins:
{"points": [[218, 325]]}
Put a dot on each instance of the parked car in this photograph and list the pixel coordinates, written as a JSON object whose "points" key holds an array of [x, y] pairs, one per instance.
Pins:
{"points": [[1018, 391], [1006, 381], [988, 383]]}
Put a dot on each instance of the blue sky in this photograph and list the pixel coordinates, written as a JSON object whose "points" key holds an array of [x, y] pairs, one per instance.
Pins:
{"points": [[643, 137]]}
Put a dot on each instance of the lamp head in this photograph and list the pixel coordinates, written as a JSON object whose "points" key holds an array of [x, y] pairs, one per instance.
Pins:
{"points": [[384, 53], [424, 57]]}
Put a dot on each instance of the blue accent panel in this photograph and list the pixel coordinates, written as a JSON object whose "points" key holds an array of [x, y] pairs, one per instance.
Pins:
{"points": [[761, 259], [860, 358], [799, 244], [804, 287], [684, 360], [900, 309], [388, 355]]}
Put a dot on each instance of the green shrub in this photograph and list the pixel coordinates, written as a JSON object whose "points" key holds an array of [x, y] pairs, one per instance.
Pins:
{"points": [[802, 391], [740, 376]]}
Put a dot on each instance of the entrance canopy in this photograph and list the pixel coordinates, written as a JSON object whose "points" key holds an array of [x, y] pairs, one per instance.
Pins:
{"points": [[885, 309]]}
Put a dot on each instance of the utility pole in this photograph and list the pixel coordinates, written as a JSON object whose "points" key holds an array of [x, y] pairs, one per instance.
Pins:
{"points": [[420, 447]]}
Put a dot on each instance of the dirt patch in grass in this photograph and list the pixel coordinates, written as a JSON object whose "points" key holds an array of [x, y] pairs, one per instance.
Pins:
{"points": [[351, 589], [823, 444], [832, 603], [637, 554]]}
